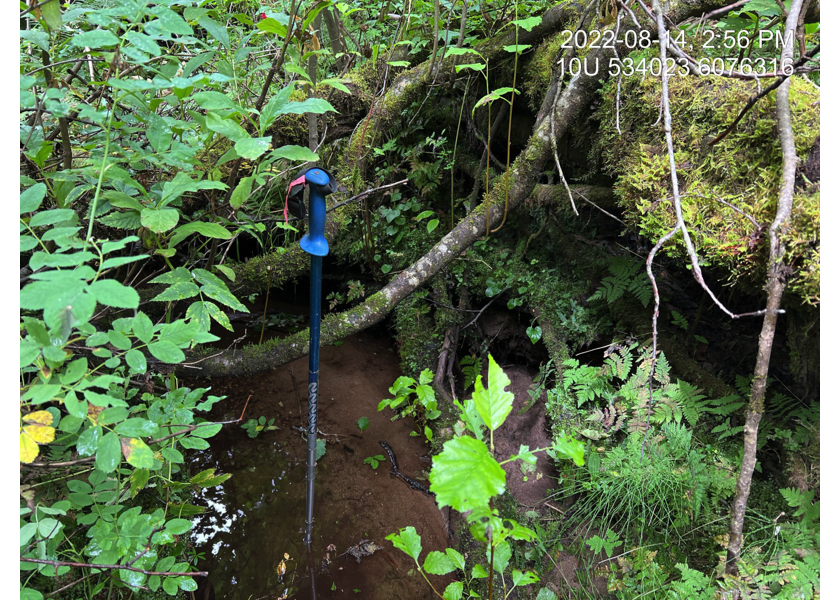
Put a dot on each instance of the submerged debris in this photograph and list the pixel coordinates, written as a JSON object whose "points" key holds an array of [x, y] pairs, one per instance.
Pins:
{"points": [[363, 548]]}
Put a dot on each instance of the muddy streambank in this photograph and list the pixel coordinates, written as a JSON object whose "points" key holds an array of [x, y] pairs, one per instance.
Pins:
{"points": [[256, 518]]}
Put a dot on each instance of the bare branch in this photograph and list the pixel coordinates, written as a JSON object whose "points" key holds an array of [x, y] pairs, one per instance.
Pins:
{"points": [[61, 563]]}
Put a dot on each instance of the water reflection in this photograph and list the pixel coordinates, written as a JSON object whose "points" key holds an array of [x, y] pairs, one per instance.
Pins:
{"points": [[250, 532]]}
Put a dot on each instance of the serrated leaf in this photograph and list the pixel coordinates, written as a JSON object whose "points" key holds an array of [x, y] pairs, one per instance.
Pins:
{"points": [[159, 220], [252, 148], [408, 541], [438, 563], [178, 291], [226, 127], [493, 404], [465, 475], [122, 220]]}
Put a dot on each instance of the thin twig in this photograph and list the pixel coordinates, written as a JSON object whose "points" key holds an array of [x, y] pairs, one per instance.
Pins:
{"points": [[368, 193], [761, 93], [724, 10]]}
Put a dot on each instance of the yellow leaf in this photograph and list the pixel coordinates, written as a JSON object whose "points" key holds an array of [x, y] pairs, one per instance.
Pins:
{"points": [[28, 448], [40, 416], [40, 434]]}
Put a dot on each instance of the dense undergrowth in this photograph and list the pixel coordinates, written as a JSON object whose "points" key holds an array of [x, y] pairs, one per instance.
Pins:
{"points": [[154, 157]]}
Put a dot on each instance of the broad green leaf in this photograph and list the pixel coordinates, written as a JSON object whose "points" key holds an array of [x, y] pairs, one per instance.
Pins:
{"points": [[399, 63], [216, 29], [517, 49], [214, 101], [88, 441], [139, 479], [252, 148], [132, 578], [108, 453], [432, 225], [136, 427], [465, 475], [226, 127], [136, 361], [337, 84], [31, 198], [178, 332], [210, 230], [51, 217], [310, 105], [473, 66], [111, 292], [51, 13], [294, 153], [363, 423], [30, 594], [183, 183], [143, 327], [453, 51], [273, 107], [178, 526], [546, 594], [456, 557], [29, 351], [122, 220], [137, 453], [179, 275], [166, 352], [159, 220], [98, 38], [567, 448], [526, 578], [408, 541], [454, 591], [220, 317], [493, 404], [534, 334], [178, 291], [194, 443], [501, 556], [438, 563], [74, 371], [208, 478], [527, 24], [272, 26], [241, 192], [207, 430]]}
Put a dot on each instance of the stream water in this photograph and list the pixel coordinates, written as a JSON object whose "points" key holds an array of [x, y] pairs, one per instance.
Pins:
{"points": [[251, 534]]}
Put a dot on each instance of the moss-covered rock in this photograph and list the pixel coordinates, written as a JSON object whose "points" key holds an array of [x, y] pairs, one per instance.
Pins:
{"points": [[744, 170]]}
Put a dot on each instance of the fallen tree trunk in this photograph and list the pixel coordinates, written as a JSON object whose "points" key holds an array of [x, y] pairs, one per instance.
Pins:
{"points": [[524, 173]]}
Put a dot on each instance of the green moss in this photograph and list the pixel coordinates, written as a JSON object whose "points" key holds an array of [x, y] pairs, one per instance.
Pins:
{"points": [[744, 169]]}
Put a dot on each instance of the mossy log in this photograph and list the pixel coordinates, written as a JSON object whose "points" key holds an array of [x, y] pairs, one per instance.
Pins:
{"points": [[525, 171]]}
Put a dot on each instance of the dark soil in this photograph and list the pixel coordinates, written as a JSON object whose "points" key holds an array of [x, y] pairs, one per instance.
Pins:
{"points": [[256, 518]]}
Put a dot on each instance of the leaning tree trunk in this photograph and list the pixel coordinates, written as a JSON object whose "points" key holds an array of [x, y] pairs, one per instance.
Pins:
{"points": [[525, 171], [775, 288]]}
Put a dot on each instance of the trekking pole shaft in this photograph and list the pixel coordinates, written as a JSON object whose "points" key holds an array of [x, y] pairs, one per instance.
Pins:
{"points": [[314, 351]]}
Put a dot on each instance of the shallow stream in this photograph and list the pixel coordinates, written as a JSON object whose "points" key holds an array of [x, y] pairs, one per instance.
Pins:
{"points": [[251, 534]]}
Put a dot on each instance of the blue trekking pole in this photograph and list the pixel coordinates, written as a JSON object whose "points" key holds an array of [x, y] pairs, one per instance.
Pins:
{"points": [[321, 184]]}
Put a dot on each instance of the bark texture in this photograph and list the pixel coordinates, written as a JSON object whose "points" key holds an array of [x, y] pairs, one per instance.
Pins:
{"points": [[775, 289]]}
